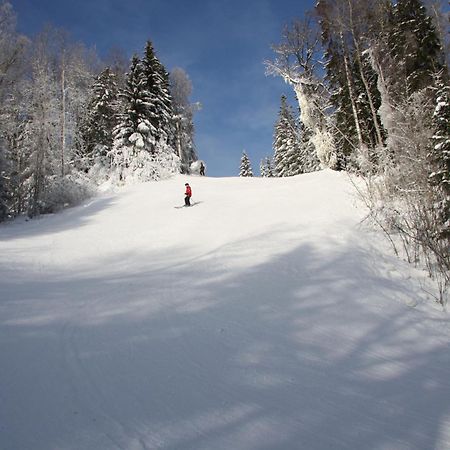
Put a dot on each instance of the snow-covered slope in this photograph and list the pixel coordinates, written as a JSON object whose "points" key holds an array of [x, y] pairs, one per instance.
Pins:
{"points": [[264, 317]]}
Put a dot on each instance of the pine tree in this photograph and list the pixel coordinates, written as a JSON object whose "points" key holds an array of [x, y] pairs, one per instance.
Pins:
{"points": [[440, 156], [346, 30], [102, 113], [262, 168], [134, 136], [285, 145], [415, 46], [246, 167], [160, 108], [266, 168], [308, 155]]}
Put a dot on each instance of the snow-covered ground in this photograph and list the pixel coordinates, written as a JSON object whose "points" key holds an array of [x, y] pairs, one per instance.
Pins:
{"points": [[264, 317]]}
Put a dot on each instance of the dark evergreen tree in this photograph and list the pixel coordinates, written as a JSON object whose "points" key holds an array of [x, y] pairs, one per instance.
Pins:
{"points": [[440, 156], [344, 131], [135, 132], [101, 117], [415, 47], [245, 169], [355, 98], [157, 84]]}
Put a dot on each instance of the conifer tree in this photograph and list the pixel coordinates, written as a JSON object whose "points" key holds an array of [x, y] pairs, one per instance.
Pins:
{"points": [[308, 155], [415, 47], [440, 156], [101, 117], [269, 168], [246, 167], [157, 84], [134, 136], [346, 30], [285, 143], [262, 168], [266, 168]]}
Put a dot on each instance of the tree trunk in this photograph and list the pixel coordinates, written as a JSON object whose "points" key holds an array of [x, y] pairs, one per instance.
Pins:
{"points": [[364, 80], [351, 91]]}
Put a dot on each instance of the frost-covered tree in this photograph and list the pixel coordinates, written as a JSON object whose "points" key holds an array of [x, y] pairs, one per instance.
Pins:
{"points": [[308, 156], [135, 135], [245, 169], [183, 118], [440, 156], [160, 108], [346, 30], [262, 168], [266, 168], [285, 144], [140, 150], [415, 47], [12, 68], [101, 118], [43, 136], [297, 63]]}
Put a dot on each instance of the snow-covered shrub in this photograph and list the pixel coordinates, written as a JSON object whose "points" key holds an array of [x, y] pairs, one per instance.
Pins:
{"points": [[64, 192], [401, 197]]}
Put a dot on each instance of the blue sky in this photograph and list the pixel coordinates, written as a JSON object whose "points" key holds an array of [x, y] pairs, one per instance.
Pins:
{"points": [[221, 44]]}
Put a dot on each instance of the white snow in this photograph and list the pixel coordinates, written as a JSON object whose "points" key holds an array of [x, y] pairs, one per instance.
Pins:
{"points": [[264, 317]]}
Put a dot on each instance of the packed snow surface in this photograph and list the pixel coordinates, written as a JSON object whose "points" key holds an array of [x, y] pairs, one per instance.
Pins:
{"points": [[267, 316]]}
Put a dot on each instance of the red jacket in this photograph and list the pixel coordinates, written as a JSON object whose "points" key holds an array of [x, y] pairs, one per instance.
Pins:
{"points": [[188, 191]]}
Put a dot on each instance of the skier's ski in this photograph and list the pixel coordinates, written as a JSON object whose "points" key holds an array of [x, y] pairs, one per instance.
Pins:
{"points": [[185, 206]]}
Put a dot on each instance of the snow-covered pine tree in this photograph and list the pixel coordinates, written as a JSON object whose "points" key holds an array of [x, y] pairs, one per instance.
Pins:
{"points": [[440, 156], [245, 169], [262, 168], [135, 135], [308, 156], [101, 119], [346, 30], [266, 168], [285, 145], [160, 108], [269, 172], [415, 47]]}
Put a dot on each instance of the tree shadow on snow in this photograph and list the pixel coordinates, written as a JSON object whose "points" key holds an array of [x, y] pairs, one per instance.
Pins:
{"points": [[70, 218], [310, 349]]}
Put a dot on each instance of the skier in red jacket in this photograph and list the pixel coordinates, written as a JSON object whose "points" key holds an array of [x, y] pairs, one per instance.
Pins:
{"points": [[188, 195]]}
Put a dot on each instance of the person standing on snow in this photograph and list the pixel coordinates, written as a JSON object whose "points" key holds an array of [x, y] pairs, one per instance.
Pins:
{"points": [[202, 169], [188, 195]]}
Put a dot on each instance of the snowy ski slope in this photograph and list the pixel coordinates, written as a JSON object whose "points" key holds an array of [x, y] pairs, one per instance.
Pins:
{"points": [[265, 317]]}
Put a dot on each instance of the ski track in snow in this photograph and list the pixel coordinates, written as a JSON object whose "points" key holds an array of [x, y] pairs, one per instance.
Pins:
{"points": [[267, 317]]}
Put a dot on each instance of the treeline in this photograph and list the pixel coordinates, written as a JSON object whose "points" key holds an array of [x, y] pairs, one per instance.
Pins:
{"points": [[69, 121], [372, 82]]}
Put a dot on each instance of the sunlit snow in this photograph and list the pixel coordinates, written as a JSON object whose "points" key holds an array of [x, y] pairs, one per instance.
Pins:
{"points": [[267, 316]]}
